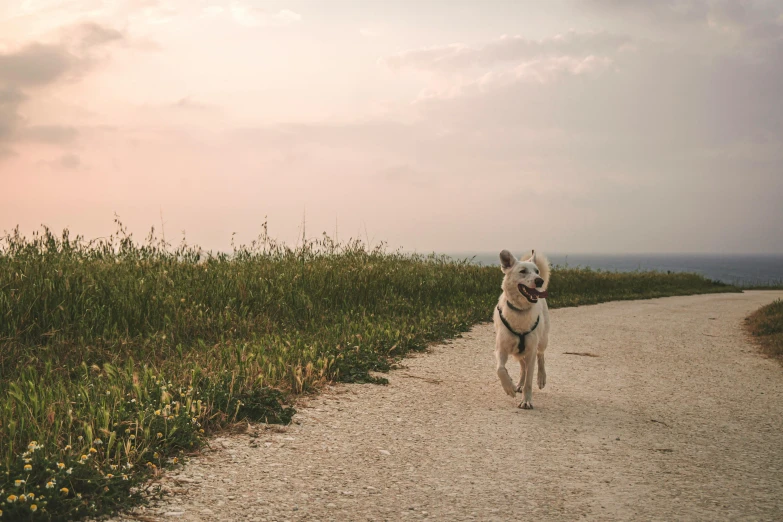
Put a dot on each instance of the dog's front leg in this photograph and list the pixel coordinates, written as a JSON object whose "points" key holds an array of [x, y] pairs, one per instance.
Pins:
{"points": [[505, 378], [522, 374], [530, 366]]}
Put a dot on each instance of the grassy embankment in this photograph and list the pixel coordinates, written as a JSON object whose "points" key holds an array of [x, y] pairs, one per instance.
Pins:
{"points": [[118, 357], [766, 326]]}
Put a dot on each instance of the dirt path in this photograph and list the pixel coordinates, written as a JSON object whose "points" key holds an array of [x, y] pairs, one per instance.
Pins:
{"points": [[677, 418]]}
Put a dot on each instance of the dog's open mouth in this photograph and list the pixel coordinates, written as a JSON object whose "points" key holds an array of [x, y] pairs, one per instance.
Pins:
{"points": [[531, 294]]}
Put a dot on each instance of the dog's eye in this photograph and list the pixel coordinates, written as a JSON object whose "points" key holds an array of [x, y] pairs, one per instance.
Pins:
{"points": [[523, 271], [536, 271]]}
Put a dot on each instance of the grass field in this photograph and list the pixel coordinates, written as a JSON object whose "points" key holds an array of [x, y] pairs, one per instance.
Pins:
{"points": [[766, 326], [118, 357]]}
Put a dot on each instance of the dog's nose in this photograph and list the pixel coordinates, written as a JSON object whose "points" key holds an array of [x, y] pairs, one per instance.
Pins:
{"points": [[539, 282]]}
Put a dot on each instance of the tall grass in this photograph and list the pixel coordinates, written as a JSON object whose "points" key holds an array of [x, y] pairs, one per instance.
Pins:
{"points": [[766, 326], [117, 356]]}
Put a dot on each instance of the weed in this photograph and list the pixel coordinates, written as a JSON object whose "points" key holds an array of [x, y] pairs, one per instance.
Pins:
{"points": [[766, 325]]}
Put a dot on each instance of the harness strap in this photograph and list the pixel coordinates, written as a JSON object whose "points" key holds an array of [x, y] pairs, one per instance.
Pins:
{"points": [[510, 305], [520, 336]]}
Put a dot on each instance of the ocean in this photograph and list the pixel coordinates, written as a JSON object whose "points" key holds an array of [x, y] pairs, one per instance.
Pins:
{"points": [[742, 270]]}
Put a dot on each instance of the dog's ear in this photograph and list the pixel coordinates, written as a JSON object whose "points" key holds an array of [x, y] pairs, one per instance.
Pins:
{"points": [[507, 260], [533, 257]]}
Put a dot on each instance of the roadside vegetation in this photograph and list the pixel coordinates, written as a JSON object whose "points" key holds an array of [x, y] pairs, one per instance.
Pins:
{"points": [[119, 357], [766, 327]]}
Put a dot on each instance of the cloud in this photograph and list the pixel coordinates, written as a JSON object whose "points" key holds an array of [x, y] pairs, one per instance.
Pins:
{"points": [[52, 134], [458, 70], [153, 12], [660, 10], [406, 175], [37, 66], [10, 100], [752, 20], [507, 49], [69, 161], [252, 16], [90, 34], [190, 104]]}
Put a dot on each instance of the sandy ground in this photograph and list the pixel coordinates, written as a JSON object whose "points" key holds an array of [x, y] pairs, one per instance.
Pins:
{"points": [[677, 418]]}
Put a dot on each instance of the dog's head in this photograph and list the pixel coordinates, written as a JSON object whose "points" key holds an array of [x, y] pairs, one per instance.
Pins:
{"points": [[525, 280]]}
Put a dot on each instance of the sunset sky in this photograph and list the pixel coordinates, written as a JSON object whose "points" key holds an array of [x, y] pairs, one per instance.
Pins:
{"points": [[566, 126]]}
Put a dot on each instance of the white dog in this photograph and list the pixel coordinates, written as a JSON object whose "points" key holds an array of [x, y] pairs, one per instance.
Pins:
{"points": [[522, 322]]}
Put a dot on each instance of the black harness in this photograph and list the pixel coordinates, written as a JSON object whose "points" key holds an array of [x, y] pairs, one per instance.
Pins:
{"points": [[520, 336]]}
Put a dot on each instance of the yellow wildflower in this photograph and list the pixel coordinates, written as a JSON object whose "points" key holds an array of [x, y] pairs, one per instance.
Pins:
{"points": [[109, 476], [18, 482], [68, 447], [28, 467], [31, 496], [12, 498], [93, 450], [33, 507], [49, 485], [64, 491], [22, 498], [61, 465], [160, 435], [155, 455], [124, 477]]}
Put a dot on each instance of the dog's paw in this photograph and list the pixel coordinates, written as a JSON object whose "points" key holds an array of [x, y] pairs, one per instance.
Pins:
{"points": [[541, 380], [510, 391], [526, 405], [520, 386]]}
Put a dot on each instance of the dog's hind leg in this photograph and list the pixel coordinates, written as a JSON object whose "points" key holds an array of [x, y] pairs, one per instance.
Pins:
{"points": [[541, 367], [522, 374], [541, 371], [505, 378], [530, 366]]}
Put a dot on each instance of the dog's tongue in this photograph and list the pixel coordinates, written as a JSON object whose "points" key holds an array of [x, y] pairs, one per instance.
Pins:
{"points": [[537, 293]]}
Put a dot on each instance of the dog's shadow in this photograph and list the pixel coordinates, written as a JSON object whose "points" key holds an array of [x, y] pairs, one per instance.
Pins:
{"points": [[573, 411]]}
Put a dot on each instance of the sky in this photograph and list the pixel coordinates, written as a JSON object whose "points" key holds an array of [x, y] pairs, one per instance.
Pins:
{"points": [[569, 126]]}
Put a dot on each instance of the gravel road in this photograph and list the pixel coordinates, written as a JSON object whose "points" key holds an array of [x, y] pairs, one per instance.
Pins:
{"points": [[675, 416]]}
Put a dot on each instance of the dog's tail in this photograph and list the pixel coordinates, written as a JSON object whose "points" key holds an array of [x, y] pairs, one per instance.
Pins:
{"points": [[542, 262]]}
